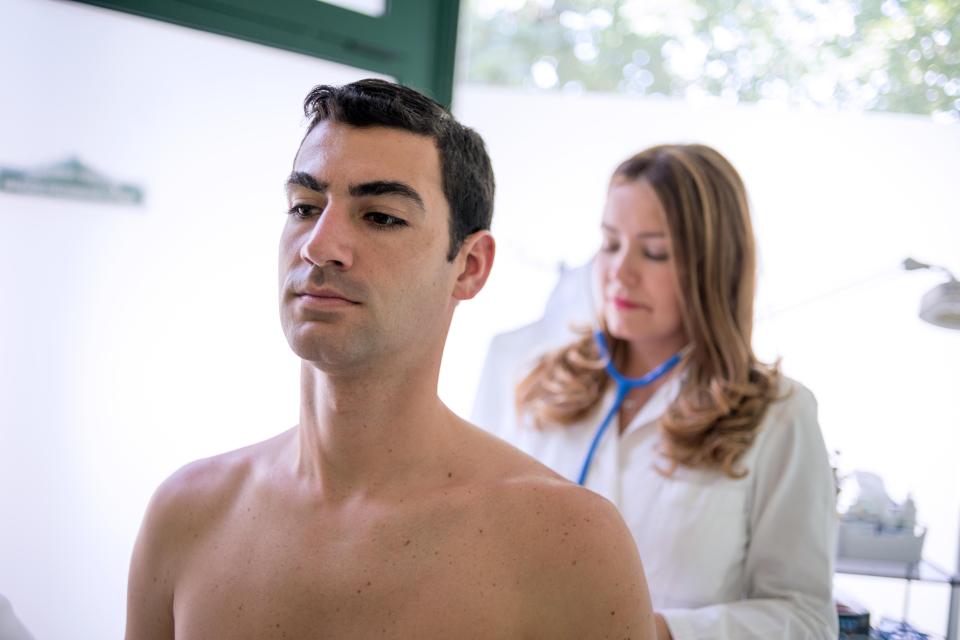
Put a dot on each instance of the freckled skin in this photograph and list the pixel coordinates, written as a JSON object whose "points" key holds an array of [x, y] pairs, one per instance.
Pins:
{"points": [[505, 549], [382, 514]]}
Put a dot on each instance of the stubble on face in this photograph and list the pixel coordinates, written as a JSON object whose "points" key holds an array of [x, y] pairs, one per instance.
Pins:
{"points": [[390, 272]]}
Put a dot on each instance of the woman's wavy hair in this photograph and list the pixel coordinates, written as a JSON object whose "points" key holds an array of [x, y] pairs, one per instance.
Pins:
{"points": [[726, 390]]}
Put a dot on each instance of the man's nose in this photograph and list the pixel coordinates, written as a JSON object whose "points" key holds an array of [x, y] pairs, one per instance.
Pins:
{"points": [[330, 241]]}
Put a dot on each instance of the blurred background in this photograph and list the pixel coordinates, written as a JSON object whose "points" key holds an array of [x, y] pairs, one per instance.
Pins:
{"points": [[141, 197]]}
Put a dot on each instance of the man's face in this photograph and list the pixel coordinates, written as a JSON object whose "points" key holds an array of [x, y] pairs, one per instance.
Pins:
{"points": [[363, 269]]}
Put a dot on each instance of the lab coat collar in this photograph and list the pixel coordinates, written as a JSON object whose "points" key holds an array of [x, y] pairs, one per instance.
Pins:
{"points": [[658, 403]]}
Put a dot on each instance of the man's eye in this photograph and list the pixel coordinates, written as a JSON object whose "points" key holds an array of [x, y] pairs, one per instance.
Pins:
{"points": [[384, 220], [608, 247], [302, 210]]}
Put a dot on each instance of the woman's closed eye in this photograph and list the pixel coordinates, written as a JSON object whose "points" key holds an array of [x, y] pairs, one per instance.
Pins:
{"points": [[650, 253], [656, 255], [609, 246]]}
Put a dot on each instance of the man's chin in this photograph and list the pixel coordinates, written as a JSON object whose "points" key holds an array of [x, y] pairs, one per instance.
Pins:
{"points": [[329, 351]]}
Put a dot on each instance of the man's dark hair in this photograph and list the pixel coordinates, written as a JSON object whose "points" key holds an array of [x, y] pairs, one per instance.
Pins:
{"points": [[465, 167]]}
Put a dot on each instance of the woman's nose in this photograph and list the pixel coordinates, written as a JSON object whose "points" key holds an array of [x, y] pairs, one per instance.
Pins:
{"points": [[623, 267]]}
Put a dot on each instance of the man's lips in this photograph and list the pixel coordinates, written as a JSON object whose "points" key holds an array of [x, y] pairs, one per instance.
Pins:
{"points": [[325, 297]]}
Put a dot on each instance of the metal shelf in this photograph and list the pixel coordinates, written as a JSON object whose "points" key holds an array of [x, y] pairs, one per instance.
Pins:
{"points": [[922, 571]]}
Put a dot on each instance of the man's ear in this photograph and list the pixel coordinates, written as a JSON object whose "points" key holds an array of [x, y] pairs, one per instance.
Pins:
{"points": [[474, 261]]}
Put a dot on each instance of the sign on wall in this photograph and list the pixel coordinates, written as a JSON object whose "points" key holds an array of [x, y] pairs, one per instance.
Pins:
{"points": [[70, 179]]}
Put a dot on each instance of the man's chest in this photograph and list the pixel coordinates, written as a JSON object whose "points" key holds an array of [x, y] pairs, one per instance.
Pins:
{"points": [[426, 576]]}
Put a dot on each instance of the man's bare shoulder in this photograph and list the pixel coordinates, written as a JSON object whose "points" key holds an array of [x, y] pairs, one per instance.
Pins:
{"points": [[578, 559], [557, 518], [518, 482], [183, 509], [570, 547], [502, 459], [199, 493]]}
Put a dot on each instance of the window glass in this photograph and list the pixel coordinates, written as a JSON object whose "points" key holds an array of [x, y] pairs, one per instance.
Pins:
{"points": [[367, 7], [889, 55]]}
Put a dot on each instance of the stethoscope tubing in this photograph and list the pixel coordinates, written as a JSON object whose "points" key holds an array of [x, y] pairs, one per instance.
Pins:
{"points": [[624, 386]]}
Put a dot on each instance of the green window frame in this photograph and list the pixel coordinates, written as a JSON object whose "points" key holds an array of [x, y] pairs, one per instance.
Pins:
{"points": [[413, 41]]}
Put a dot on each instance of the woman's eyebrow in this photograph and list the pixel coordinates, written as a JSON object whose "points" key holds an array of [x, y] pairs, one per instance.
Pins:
{"points": [[642, 234]]}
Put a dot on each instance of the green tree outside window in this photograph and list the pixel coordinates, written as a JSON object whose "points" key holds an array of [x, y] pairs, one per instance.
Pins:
{"points": [[874, 55]]}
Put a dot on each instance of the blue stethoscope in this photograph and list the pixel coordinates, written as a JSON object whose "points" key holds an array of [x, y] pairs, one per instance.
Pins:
{"points": [[624, 386]]}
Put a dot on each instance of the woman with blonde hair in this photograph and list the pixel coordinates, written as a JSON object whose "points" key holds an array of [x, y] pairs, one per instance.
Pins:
{"points": [[714, 458]]}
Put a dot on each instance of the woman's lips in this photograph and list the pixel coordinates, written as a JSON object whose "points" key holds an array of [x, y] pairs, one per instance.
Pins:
{"points": [[623, 303]]}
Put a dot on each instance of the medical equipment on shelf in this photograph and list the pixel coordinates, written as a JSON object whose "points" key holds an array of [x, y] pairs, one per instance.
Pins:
{"points": [[875, 527]]}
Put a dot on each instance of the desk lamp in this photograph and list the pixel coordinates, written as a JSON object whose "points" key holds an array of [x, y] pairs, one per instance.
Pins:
{"points": [[940, 306]]}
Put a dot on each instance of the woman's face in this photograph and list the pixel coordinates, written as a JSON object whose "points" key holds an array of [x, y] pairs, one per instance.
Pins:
{"points": [[635, 270]]}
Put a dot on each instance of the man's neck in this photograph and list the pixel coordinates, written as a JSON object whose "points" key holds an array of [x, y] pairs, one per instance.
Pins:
{"points": [[367, 434]]}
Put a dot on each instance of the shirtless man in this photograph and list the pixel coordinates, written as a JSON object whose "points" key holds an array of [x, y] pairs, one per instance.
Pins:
{"points": [[381, 514]]}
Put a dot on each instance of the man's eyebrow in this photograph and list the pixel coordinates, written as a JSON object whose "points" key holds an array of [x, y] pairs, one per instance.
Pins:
{"points": [[303, 179], [387, 188]]}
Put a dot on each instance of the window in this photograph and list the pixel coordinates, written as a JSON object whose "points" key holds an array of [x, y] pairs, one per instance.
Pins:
{"points": [[876, 55], [410, 40]]}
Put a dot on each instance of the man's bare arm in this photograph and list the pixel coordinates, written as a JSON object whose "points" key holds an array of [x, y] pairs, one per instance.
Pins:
{"points": [[149, 586], [175, 517], [591, 583]]}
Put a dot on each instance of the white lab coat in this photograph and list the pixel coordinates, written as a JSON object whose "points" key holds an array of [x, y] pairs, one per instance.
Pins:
{"points": [[725, 559]]}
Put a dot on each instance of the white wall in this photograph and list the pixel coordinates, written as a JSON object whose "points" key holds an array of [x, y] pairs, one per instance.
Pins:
{"points": [[133, 340]]}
